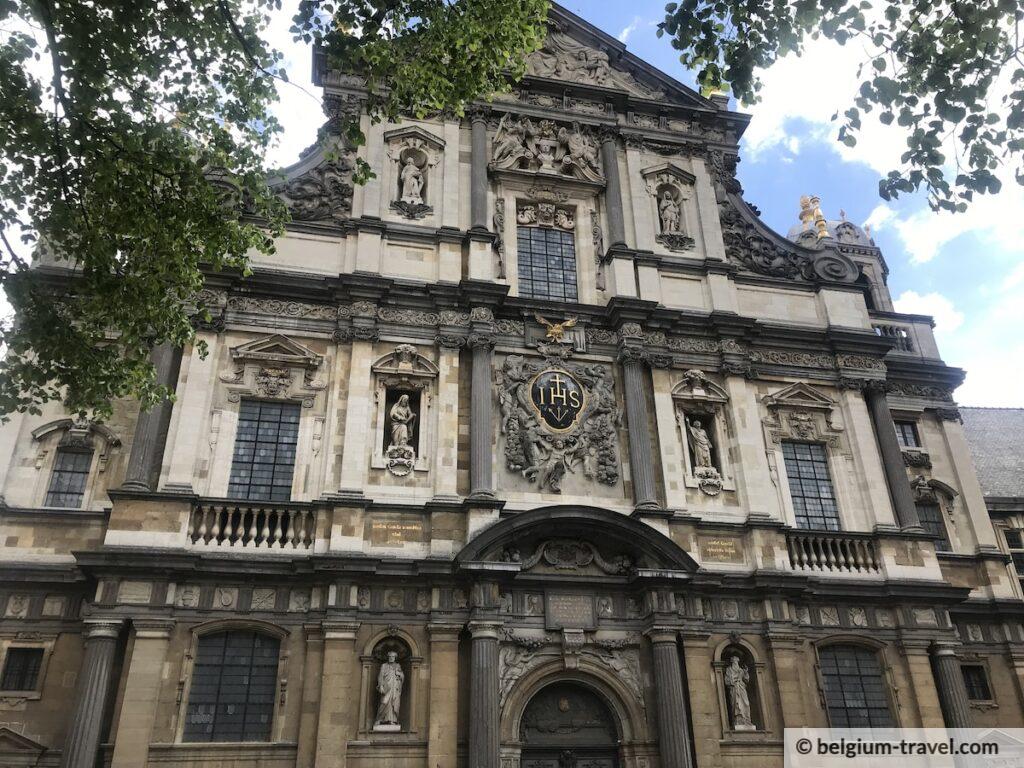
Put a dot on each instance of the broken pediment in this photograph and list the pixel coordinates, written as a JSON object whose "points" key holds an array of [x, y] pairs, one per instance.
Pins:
{"points": [[276, 349]]}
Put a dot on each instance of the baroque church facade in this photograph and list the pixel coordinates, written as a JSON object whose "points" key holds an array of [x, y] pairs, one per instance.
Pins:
{"points": [[537, 450]]}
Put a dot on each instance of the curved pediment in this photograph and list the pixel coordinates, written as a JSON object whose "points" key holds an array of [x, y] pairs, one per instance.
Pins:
{"points": [[574, 541]]}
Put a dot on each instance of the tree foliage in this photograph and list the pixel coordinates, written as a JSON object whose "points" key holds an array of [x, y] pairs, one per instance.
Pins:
{"points": [[128, 132], [951, 73]]}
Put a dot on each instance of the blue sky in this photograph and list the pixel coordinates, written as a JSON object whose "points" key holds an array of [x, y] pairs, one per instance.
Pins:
{"points": [[966, 270]]}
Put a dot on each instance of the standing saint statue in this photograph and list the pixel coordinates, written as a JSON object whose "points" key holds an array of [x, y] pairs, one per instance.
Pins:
{"points": [[412, 182], [389, 685], [669, 212], [701, 445], [736, 679], [402, 419]]}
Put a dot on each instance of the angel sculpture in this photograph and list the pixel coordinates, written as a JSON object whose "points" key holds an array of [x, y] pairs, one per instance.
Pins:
{"points": [[555, 331]]}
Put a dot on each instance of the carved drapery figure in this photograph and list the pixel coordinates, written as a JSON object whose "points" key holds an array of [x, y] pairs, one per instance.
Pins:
{"points": [[390, 680], [669, 212], [701, 444], [736, 680], [411, 182], [555, 460], [509, 141], [402, 419]]}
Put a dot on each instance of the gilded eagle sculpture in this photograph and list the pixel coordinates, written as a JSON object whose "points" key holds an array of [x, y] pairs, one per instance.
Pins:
{"points": [[555, 331]]}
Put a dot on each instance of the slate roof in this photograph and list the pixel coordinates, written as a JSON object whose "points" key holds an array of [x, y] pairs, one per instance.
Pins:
{"points": [[996, 438]]}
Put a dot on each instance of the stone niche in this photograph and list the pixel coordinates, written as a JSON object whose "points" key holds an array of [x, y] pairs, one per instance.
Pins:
{"points": [[404, 391], [699, 406], [670, 192], [413, 176]]}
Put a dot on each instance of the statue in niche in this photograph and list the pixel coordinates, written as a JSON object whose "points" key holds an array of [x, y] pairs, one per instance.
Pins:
{"points": [[669, 213], [736, 680], [701, 444], [390, 680], [400, 454], [411, 182]]}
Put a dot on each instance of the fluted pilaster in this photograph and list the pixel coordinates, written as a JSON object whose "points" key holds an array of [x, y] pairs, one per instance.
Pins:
{"points": [[672, 703], [641, 459]]}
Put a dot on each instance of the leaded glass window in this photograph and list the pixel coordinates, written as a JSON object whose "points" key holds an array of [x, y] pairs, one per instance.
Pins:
{"points": [[69, 478], [855, 688], [976, 682], [21, 669], [233, 684], [547, 264], [810, 486], [930, 515], [264, 459], [906, 433]]}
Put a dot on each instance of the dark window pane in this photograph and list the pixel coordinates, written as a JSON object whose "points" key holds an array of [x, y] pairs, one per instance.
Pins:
{"points": [[547, 264], [1013, 539], [906, 433], [21, 669], [810, 486], [69, 478], [855, 691], [233, 685], [977, 682], [931, 520], [264, 458]]}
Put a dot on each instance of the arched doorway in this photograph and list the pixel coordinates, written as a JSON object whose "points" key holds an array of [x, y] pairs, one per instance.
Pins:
{"points": [[566, 725]]}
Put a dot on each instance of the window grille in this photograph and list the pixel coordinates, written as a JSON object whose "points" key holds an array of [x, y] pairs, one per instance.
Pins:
{"points": [[264, 459], [855, 688], [233, 684], [547, 264], [69, 478], [810, 486]]}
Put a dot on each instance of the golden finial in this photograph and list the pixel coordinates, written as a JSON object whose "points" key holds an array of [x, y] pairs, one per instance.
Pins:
{"points": [[819, 220], [806, 211]]}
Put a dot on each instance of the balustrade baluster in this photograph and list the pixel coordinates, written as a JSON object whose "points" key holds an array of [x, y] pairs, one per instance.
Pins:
{"points": [[265, 530]]}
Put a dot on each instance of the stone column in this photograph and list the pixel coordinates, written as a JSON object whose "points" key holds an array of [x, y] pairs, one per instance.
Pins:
{"points": [[478, 171], [481, 417], [151, 428], [484, 721], [339, 686], [892, 456], [672, 709], [792, 674], [613, 190], [949, 680], [442, 744], [141, 693], [92, 694], [641, 460], [920, 678]]}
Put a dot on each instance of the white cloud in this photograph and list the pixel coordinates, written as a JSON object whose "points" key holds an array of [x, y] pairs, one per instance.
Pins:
{"points": [[947, 317], [879, 216], [629, 29]]}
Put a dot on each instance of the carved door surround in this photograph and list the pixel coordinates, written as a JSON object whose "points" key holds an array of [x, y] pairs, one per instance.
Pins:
{"points": [[699, 401], [567, 725]]}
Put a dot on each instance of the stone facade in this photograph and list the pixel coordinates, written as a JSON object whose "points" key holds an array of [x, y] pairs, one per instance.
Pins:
{"points": [[584, 504]]}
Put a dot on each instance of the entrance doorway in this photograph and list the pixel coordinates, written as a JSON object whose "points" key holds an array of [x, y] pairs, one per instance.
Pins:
{"points": [[566, 725]]}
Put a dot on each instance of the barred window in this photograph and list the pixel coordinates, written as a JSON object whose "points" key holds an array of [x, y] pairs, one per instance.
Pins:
{"points": [[976, 682], [233, 685], [930, 515], [547, 264], [855, 689], [69, 478], [906, 433], [21, 669], [810, 486], [264, 459]]}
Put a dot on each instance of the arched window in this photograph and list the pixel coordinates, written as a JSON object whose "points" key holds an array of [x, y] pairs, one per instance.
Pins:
{"points": [[856, 694], [233, 686]]}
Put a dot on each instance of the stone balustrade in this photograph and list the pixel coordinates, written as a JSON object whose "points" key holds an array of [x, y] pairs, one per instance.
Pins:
{"points": [[826, 552], [898, 333], [253, 525]]}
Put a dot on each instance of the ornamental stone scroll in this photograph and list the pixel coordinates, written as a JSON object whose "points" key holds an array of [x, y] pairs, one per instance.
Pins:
{"points": [[274, 367]]}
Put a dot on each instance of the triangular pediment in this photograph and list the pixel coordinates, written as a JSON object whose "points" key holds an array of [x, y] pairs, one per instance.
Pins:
{"points": [[276, 349], [799, 395], [15, 742], [578, 52]]}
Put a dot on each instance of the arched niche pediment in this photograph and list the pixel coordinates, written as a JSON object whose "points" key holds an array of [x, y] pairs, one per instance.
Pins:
{"points": [[576, 542]]}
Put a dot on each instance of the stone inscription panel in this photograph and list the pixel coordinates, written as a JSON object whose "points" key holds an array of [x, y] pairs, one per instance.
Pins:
{"points": [[719, 549], [395, 533], [570, 611]]}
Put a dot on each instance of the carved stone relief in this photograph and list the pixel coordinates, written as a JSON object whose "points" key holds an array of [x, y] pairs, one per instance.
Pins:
{"points": [[564, 58], [546, 147], [701, 420], [323, 193], [274, 367], [558, 416], [670, 188]]}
